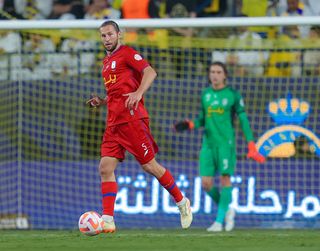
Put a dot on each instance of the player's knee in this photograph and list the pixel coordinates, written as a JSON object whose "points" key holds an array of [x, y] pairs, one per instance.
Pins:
{"points": [[107, 166], [104, 171], [225, 180], [207, 184]]}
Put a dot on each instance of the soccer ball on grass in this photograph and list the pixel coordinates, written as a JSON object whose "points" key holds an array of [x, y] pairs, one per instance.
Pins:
{"points": [[90, 223]]}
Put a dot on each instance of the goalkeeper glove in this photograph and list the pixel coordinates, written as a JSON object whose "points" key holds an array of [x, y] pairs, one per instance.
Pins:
{"points": [[254, 154], [183, 125]]}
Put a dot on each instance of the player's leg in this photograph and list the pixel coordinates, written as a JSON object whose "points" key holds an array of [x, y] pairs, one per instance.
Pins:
{"points": [[207, 166], [111, 153], [207, 170], [166, 180], [214, 193], [137, 139], [225, 198], [109, 191], [226, 169]]}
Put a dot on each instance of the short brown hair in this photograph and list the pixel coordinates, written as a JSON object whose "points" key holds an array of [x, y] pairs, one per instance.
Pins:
{"points": [[110, 22]]}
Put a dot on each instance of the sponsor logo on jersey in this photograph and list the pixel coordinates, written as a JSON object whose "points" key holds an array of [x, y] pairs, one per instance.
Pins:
{"points": [[282, 140], [111, 80], [218, 110]]}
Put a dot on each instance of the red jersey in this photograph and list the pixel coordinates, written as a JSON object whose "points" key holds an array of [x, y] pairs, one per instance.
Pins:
{"points": [[122, 73]]}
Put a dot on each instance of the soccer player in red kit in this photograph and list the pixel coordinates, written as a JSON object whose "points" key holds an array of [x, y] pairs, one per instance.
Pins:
{"points": [[127, 76]]}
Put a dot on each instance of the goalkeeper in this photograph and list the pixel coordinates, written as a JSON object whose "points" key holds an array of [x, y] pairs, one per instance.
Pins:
{"points": [[219, 104]]}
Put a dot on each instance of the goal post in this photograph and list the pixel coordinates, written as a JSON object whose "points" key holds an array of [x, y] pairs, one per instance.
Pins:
{"points": [[50, 138]]}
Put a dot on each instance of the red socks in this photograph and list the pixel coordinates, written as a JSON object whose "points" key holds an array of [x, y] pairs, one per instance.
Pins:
{"points": [[167, 181], [109, 191]]}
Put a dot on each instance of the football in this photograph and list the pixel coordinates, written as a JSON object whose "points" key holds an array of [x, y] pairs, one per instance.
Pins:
{"points": [[90, 223]]}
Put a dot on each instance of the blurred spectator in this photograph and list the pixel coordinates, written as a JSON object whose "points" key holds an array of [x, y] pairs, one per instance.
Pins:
{"points": [[157, 8], [8, 10], [10, 44], [296, 8], [135, 9], [181, 9], [78, 56], [101, 9], [139, 9], [34, 9], [211, 8], [37, 57], [286, 62], [273, 11], [303, 5], [273, 8], [247, 58], [256, 8], [179, 59], [293, 9], [311, 57], [67, 9], [116, 4]]}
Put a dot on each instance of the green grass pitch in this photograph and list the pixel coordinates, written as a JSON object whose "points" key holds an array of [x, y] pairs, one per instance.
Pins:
{"points": [[161, 240]]}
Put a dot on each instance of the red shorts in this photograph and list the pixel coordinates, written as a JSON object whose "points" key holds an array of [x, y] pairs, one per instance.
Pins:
{"points": [[135, 137]]}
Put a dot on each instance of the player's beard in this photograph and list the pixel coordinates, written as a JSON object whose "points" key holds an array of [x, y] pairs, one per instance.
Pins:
{"points": [[113, 47]]}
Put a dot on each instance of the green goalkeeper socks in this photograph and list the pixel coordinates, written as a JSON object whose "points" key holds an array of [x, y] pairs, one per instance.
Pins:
{"points": [[214, 193], [223, 206]]}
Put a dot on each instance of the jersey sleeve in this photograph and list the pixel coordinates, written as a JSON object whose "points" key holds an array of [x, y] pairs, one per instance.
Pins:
{"points": [[200, 120], [135, 60], [243, 118]]}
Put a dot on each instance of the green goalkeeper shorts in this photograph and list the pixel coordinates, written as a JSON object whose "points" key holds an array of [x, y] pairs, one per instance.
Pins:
{"points": [[216, 160]]}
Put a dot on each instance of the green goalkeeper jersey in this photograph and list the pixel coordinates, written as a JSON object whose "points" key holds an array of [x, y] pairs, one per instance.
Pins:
{"points": [[218, 109]]}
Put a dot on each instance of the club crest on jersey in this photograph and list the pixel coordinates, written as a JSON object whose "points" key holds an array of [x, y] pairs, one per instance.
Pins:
{"points": [[113, 65], [137, 57], [224, 102]]}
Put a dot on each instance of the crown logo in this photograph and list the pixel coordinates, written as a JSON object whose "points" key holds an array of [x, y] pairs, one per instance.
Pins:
{"points": [[289, 110]]}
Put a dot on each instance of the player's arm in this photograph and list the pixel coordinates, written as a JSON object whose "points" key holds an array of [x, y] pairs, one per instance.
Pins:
{"points": [[252, 150], [245, 126], [149, 75], [96, 101]]}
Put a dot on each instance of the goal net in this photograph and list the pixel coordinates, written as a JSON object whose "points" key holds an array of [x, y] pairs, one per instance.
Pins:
{"points": [[50, 138]]}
